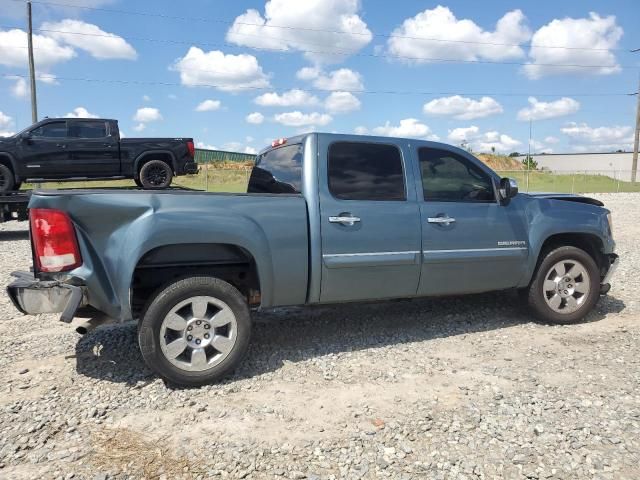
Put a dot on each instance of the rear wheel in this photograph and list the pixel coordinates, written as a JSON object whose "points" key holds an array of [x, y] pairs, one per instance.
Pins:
{"points": [[195, 331], [138, 182], [565, 287], [156, 174], [7, 181]]}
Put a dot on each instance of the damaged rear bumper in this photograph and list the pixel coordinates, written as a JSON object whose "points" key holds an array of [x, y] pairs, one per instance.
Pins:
{"points": [[32, 296]]}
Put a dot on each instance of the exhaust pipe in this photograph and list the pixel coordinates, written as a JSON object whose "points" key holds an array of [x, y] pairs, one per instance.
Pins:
{"points": [[89, 325]]}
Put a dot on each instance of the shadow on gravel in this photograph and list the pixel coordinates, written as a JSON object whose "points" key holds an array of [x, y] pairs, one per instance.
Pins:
{"points": [[12, 235], [295, 334]]}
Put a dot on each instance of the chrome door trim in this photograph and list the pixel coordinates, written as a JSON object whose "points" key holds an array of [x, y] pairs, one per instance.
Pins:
{"points": [[498, 249], [371, 259]]}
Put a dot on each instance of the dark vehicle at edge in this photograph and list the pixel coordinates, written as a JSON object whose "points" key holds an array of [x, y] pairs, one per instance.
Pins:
{"points": [[66, 149]]}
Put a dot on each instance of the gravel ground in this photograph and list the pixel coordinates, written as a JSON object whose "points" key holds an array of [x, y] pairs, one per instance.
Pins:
{"points": [[444, 388]]}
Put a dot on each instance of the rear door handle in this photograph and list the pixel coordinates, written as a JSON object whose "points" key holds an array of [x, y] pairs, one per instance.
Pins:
{"points": [[344, 219], [441, 220], [61, 145]]}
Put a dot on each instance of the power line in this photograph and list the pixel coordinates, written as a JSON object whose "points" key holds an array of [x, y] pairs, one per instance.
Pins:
{"points": [[291, 27], [325, 52], [318, 90]]}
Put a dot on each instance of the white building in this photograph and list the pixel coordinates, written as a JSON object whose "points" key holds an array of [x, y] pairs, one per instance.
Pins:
{"points": [[614, 165]]}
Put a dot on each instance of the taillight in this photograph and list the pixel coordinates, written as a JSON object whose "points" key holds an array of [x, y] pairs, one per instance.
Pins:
{"points": [[54, 240], [278, 142], [191, 148]]}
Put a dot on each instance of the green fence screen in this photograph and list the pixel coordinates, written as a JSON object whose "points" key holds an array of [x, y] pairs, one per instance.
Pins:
{"points": [[211, 156]]}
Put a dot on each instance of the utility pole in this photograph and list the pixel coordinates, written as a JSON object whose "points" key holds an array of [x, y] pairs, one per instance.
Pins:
{"points": [[32, 68], [634, 164]]}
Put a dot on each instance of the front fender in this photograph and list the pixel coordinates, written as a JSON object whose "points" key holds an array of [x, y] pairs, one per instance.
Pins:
{"points": [[547, 217]]}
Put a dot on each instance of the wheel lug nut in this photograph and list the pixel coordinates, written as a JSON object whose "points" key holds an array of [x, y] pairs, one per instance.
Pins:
{"points": [[198, 322], [198, 341], [190, 337], [207, 326], [206, 335], [189, 328]]}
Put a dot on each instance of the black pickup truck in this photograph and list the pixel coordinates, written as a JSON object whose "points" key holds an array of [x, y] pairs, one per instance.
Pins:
{"points": [[60, 149]]}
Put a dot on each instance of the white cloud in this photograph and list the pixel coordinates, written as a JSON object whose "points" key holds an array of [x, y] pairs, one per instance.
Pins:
{"points": [[299, 119], [47, 51], [552, 140], [468, 41], [408, 127], [208, 106], [291, 98], [462, 108], [206, 146], [226, 72], [147, 114], [591, 33], [6, 133], [80, 112], [146, 98], [343, 79], [341, 102], [90, 38], [139, 127], [543, 110], [483, 141], [322, 26], [361, 130], [586, 138], [19, 88], [239, 147], [5, 120], [255, 118]]}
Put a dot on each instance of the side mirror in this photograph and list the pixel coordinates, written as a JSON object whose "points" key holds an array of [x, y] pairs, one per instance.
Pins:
{"points": [[26, 137], [508, 188]]}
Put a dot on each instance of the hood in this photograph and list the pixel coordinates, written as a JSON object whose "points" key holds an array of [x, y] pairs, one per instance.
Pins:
{"points": [[569, 197]]}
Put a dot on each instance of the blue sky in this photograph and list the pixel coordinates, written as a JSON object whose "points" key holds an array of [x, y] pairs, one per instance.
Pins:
{"points": [[235, 75]]}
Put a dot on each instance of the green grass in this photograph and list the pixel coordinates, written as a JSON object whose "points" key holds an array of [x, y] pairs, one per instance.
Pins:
{"points": [[234, 180], [569, 183]]}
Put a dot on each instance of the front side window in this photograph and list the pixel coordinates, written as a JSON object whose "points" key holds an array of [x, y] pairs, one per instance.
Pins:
{"points": [[51, 130], [93, 129], [278, 171], [365, 171], [449, 177]]}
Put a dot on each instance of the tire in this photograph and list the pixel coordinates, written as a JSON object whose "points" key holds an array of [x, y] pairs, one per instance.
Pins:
{"points": [[138, 182], [7, 181], [156, 175], [575, 275], [176, 344]]}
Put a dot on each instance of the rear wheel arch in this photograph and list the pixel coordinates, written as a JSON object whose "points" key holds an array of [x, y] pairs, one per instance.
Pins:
{"points": [[163, 155], [166, 264]]}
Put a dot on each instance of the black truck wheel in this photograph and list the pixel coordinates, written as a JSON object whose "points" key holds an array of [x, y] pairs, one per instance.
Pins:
{"points": [[155, 175], [565, 287], [195, 331], [7, 181]]}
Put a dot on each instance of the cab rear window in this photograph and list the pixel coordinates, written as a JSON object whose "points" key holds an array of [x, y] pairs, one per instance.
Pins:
{"points": [[278, 171]]}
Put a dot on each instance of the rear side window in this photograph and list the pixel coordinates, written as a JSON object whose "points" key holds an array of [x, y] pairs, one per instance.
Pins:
{"points": [[448, 177], [88, 129], [278, 171], [51, 130], [365, 171]]}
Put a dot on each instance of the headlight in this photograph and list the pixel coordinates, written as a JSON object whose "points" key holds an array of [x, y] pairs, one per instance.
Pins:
{"points": [[610, 220]]}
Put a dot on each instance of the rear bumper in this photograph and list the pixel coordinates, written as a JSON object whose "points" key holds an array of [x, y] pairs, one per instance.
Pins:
{"points": [[190, 168], [32, 296]]}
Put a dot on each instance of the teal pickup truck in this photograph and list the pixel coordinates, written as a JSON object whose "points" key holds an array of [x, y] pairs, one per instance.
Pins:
{"points": [[327, 218]]}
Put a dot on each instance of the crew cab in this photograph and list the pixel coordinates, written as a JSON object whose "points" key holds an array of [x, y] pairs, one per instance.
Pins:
{"points": [[57, 149], [327, 218]]}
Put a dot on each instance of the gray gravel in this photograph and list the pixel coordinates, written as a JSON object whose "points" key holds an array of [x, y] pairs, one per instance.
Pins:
{"points": [[443, 388]]}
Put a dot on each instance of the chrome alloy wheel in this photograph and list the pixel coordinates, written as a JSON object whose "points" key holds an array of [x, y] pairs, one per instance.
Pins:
{"points": [[198, 333], [566, 286]]}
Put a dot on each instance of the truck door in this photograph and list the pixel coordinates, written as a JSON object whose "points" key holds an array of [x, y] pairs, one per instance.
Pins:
{"points": [[471, 242], [93, 151], [43, 151], [370, 220]]}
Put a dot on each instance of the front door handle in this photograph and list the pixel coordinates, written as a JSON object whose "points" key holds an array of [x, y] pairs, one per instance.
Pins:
{"points": [[441, 220], [344, 219], [61, 145]]}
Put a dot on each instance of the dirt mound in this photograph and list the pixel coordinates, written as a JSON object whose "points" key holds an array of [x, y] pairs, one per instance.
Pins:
{"points": [[500, 162]]}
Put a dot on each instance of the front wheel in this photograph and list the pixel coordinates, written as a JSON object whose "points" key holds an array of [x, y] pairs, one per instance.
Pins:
{"points": [[195, 331], [155, 175], [7, 181], [566, 286]]}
